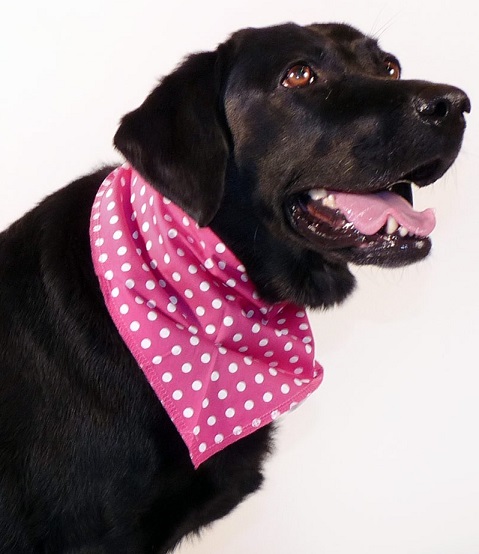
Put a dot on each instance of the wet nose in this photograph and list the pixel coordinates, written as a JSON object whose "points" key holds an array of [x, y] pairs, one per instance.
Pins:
{"points": [[437, 104]]}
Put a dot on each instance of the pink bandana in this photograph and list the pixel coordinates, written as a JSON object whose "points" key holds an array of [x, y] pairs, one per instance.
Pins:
{"points": [[222, 362]]}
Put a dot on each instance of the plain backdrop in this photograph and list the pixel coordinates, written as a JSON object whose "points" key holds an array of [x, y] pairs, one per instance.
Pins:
{"points": [[384, 458]]}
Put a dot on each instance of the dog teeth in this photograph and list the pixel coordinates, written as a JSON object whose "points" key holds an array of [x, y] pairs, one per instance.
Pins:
{"points": [[329, 202], [403, 231], [392, 225], [318, 194]]}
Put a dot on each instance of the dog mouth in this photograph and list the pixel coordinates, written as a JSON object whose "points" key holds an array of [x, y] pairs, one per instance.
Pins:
{"points": [[379, 228]]}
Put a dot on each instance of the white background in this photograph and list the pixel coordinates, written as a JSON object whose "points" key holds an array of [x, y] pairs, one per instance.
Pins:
{"points": [[384, 458]]}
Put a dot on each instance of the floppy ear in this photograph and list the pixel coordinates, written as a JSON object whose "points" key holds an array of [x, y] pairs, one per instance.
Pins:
{"points": [[177, 139]]}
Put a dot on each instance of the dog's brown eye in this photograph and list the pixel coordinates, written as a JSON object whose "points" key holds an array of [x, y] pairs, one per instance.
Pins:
{"points": [[392, 69], [298, 76]]}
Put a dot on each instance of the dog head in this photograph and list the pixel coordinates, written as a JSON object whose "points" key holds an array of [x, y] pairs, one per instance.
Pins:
{"points": [[283, 138]]}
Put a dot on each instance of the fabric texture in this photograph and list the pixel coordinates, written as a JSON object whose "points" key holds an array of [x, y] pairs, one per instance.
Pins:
{"points": [[221, 361]]}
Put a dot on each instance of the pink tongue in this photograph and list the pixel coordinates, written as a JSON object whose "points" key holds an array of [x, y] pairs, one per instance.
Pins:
{"points": [[369, 212]]}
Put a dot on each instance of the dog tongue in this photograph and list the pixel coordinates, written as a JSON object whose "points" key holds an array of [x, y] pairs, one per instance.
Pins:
{"points": [[369, 212]]}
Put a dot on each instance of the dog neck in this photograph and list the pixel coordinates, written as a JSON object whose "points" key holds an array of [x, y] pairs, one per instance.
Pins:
{"points": [[221, 361]]}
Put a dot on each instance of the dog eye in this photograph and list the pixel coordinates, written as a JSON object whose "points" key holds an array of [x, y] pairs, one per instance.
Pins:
{"points": [[393, 69], [298, 76]]}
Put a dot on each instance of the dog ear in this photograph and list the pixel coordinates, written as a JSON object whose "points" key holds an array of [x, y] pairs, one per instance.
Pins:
{"points": [[177, 139]]}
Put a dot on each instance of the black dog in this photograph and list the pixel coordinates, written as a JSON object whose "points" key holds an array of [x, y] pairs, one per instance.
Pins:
{"points": [[247, 140]]}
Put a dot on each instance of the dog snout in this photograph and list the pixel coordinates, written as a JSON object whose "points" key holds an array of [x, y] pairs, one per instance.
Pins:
{"points": [[438, 104]]}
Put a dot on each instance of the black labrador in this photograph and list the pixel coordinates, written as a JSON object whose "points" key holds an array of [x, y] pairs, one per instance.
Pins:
{"points": [[253, 140]]}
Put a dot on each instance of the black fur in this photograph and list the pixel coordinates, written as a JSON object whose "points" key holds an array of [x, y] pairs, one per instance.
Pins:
{"points": [[89, 461]]}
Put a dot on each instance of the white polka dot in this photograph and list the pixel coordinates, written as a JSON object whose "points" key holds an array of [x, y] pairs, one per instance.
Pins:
{"points": [[228, 321], [152, 316], [237, 337], [231, 282], [188, 293], [115, 292], [211, 421], [145, 344], [241, 386], [192, 269], [166, 259], [256, 328], [298, 382], [102, 258], [126, 267], [143, 190], [205, 358], [110, 206], [204, 286], [200, 311], [196, 430], [267, 397], [259, 378], [215, 376], [229, 413], [172, 233], [194, 341], [210, 329], [216, 303], [177, 395], [219, 438], [186, 368], [209, 263], [233, 367], [304, 326], [256, 422], [268, 354], [197, 385], [237, 430], [205, 403], [186, 221], [134, 325], [145, 227], [109, 275], [223, 393], [293, 359], [220, 248], [248, 360], [275, 414], [167, 377], [285, 388], [99, 242], [114, 220], [202, 447], [129, 283], [308, 349], [157, 360], [272, 372], [171, 308], [180, 252], [288, 346], [188, 412], [176, 350], [164, 333], [263, 342], [306, 340], [124, 309], [122, 250], [249, 405], [298, 371], [150, 285]]}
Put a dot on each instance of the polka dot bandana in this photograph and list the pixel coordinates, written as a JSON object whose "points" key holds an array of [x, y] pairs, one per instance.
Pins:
{"points": [[221, 361]]}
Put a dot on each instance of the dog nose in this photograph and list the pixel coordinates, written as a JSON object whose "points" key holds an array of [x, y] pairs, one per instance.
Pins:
{"points": [[438, 103]]}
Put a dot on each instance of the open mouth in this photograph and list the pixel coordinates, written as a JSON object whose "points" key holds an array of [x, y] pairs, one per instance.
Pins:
{"points": [[379, 228]]}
